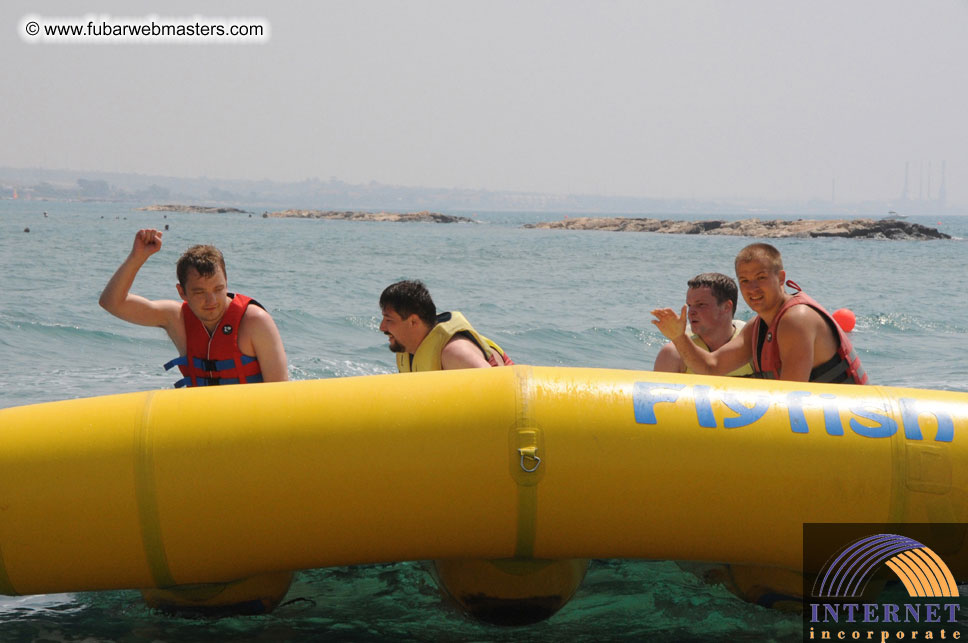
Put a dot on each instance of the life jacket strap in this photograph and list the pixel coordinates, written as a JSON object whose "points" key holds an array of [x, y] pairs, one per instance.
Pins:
{"points": [[249, 379], [763, 375], [217, 381], [212, 366], [833, 375], [860, 375], [178, 361]]}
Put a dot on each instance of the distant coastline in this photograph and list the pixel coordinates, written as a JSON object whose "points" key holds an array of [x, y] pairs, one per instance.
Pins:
{"points": [[350, 215], [38, 184], [346, 215], [195, 209], [769, 229]]}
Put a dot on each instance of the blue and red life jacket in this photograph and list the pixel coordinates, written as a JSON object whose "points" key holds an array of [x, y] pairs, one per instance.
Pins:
{"points": [[216, 359]]}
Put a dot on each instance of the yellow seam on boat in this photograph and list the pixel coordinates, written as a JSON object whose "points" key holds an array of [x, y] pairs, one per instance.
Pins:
{"points": [[899, 468], [147, 495], [527, 489], [6, 587]]}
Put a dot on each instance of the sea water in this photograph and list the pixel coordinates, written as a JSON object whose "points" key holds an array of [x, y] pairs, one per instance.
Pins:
{"points": [[548, 297]]}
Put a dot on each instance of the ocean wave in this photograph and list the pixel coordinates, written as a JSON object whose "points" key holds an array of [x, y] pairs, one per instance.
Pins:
{"points": [[61, 332], [301, 321], [22, 606], [371, 322], [320, 368], [625, 347], [80, 379], [906, 322]]}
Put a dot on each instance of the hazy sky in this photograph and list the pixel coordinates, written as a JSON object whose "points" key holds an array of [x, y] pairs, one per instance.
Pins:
{"points": [[670, 98]]}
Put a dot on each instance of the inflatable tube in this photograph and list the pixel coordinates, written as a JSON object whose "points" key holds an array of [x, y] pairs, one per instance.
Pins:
{"points": [[511, 591], [773, 587], [255, 595], [208, 485]]}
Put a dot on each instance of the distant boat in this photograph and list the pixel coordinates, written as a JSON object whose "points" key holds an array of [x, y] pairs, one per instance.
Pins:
{"points": [[893, 216]]}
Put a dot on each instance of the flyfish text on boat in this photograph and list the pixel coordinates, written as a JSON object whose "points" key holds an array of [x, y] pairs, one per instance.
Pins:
{"points": [[868, 416]]}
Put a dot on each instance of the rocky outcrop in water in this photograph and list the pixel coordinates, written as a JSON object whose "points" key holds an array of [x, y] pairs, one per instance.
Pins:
{"points": [[770, 229], [424, 217], [195, 209]]}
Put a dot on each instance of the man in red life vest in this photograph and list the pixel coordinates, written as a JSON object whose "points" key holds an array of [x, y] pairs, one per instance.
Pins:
{"points": [[426, 341], [221, 338], [792, 337]]}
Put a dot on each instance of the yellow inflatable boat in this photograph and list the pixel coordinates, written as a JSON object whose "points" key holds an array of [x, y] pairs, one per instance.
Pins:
{"points": [[180, 487]]}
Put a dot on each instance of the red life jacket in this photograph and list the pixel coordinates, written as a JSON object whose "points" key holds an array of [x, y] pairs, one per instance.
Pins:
{"points": [[843, 368], [216, 359]]}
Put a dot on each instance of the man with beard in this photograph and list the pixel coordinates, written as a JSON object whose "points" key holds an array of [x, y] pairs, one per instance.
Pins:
{"points": [[426, 341]]}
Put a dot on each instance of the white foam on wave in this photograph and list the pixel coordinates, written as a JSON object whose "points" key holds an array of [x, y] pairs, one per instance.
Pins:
{"points": [[40, 603]]}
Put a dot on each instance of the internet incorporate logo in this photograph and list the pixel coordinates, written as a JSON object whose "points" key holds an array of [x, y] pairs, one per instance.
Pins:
{"points": [[885, 584], [920, 570]]}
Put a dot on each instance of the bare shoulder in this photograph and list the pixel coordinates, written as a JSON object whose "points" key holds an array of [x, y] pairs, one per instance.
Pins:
{"points": [[175, 324], [258, 336], [169, 306], [170, 311], [461, 352], [256, 319], [460, 346], [256, 312], [802, 317]]}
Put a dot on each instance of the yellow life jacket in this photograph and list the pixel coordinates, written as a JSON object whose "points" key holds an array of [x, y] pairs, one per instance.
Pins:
{"points": [[427, 357], [744, 370]]}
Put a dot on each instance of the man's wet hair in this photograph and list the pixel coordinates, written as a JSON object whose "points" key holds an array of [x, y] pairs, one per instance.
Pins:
{"points": [[722, 286], [204, 259], [410, 297], [760, 251]]}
